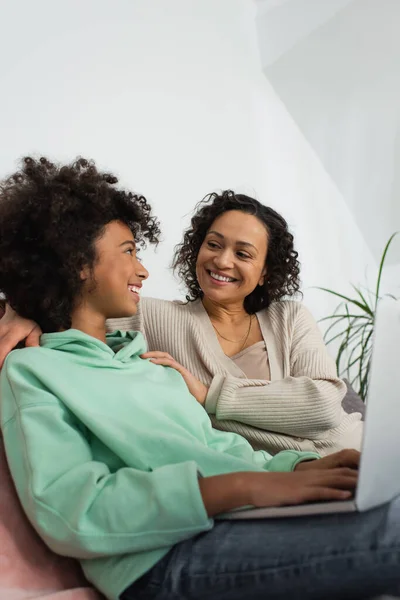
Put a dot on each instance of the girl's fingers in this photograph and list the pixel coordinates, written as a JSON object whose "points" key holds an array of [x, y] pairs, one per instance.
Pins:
{"points": [[319, 494]]}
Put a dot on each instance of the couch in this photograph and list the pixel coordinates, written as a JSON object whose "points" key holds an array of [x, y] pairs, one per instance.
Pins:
{"points": [[28, 569]]}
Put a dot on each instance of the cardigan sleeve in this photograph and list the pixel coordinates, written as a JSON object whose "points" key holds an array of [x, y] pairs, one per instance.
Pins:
{"points": [[306, 403]]}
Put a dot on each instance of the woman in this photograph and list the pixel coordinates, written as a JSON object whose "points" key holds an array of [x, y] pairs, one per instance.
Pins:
{"points": [[255, 361], [115, 462]]}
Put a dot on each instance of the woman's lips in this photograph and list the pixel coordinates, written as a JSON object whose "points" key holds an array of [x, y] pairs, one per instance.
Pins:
{"points": [[218, 279]]}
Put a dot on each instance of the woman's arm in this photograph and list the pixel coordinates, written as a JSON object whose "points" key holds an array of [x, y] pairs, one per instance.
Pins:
{"points": [[304, 404]]}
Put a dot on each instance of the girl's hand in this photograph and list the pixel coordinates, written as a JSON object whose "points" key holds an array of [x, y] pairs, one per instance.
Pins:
{"points": [[344, 458], [13, 330], [221, 493], [279, 489], [196, 388]]}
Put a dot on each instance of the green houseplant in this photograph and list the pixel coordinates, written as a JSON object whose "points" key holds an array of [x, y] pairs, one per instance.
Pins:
{"points": [[352, 324]]}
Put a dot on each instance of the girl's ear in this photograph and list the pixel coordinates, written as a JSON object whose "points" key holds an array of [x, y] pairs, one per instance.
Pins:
{"points": [[85, 273]]}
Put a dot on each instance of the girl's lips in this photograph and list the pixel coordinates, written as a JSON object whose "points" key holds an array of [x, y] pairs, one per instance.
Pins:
{"points": [[134, 292]]}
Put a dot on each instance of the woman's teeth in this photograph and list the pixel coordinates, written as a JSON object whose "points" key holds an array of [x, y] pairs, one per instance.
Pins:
{"points": [[221, 277]]}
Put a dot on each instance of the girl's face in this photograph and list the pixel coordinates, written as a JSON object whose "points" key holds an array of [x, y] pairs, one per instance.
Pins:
{"points": [[231, 261], [113, 286]]}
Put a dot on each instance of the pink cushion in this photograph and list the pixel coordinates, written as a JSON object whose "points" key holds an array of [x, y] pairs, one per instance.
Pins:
{"points": [[28, 569]]}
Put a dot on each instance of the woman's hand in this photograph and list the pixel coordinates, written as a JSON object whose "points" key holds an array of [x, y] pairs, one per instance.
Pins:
{"points": [[13, 330], [196, 388], [344, 458]]}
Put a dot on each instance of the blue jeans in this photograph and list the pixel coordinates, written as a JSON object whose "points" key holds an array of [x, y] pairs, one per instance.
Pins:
{"points": [[354, 556]]}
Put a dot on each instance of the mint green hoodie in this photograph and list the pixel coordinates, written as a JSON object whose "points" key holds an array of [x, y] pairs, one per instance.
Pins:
{"points": [[106, 449]]}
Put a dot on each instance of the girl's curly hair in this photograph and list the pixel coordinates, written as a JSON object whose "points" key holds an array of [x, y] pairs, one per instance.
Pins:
{"points": [[50, 218], [283, 268]]}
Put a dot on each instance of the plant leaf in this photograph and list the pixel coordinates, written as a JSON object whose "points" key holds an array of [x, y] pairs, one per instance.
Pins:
{"points": [[346, 332], [344, 317], [359, 292], [354, 331], [363, 307], [363, 370], [349, 337], [378, 283]]}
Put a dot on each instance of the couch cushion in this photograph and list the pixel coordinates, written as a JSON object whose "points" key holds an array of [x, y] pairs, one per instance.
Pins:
{"points": [[352, 402], [28, 569]]}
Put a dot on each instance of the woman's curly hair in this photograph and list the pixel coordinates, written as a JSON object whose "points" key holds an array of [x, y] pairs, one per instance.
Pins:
{"points": [[50, 218], [283, 268]]}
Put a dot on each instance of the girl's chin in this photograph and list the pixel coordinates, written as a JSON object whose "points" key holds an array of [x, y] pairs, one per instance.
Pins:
{"points": [[128, 310]]}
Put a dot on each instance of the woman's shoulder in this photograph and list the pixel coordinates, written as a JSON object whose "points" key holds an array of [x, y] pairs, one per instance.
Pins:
{"points": [[164, 320], [284, 307], [286, 311], [158, 304]]}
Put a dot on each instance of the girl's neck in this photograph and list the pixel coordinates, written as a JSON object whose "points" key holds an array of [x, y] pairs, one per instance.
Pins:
{"points": [[89, 322]]}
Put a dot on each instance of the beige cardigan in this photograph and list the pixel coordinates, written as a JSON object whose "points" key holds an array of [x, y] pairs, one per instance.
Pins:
{"points": [[300, 408]]}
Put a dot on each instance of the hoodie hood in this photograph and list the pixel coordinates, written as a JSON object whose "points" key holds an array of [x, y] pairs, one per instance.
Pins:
{"points": [[121, 345]]}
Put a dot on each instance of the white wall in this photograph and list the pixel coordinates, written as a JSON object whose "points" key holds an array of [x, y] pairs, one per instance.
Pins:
{"points": [[339, 77], [156, 91], [333, 251], [282, 24], [171, 96]]}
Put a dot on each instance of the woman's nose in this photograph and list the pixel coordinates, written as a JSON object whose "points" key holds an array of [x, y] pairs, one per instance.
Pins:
{"points": [[223, 260]]}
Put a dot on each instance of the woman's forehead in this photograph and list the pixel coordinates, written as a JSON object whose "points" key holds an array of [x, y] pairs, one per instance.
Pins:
{"points": [[239, 226]]}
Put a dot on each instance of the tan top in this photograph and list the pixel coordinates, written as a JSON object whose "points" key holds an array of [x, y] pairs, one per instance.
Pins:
{"points": [[253, 361], [300, 408]]}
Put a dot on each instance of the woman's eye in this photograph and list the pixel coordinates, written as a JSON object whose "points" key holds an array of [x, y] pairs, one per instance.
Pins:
{"points": [[212, 245], [130, 251], [243, 255]]}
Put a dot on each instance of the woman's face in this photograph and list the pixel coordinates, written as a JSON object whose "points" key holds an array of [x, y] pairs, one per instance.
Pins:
{"points": [[113, 288], [231, 260]]}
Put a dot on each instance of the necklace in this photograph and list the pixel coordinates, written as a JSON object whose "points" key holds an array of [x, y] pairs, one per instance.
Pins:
{"points": [[243, 339]]}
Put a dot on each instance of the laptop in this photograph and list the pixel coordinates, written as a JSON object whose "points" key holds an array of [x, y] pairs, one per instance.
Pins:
{"points": [[378, 481]]}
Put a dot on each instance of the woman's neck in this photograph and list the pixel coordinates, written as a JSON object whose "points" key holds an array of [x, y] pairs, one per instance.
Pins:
{"points": [[233, 314], [89, 322]]}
